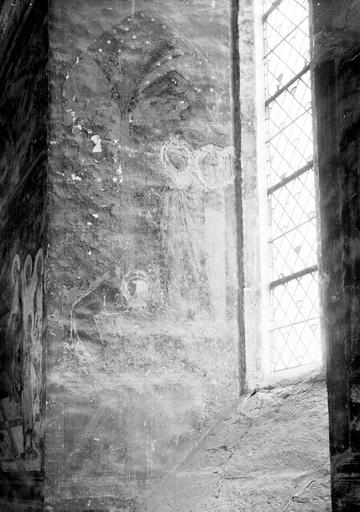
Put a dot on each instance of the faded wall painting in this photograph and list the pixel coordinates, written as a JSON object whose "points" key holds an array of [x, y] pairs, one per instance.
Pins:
{"points": [[23, 155], [142, 253], [22, 369]]}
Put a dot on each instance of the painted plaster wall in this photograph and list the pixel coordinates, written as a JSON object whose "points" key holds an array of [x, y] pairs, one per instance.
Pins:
{"points": [[142, 281], [337, 81], [23, 154]]}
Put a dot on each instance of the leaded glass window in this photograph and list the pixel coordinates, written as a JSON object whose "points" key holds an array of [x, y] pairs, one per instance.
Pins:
{"points": [[295, 336]]}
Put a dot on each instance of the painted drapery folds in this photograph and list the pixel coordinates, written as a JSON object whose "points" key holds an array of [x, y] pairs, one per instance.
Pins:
{"points": [[142, 256], [22, 369]]}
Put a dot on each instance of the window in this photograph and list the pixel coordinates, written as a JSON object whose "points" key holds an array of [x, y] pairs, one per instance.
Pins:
{"points": [[294, 295]]}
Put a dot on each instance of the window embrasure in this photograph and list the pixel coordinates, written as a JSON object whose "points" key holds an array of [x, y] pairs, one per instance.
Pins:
{"points": [[294, 295]]}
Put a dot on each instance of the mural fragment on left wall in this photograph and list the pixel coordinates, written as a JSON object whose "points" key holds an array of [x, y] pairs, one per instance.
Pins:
{"points": [[21, 372]]}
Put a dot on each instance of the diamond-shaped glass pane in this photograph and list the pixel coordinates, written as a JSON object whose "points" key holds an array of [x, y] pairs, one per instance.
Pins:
{"points": [[292, 204], [294, 251], [289, 127], [295, 322], [290, 105], [292, 207], [295, 301], [296, 345], [287, 43]]}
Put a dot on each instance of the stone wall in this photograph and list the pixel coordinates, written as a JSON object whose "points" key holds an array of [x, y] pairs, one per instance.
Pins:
{"points": [[254, 192], [337, 85], [142, 286], [142, 294], [23, 155]]}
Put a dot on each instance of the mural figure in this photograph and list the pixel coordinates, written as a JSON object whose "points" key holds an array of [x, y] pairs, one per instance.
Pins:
{"points": [[32, 304], [181, 221], [24, 360], [191, 175]]}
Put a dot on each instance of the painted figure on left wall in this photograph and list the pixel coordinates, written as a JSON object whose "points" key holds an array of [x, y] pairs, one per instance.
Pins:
{"points": [[22, 373]]}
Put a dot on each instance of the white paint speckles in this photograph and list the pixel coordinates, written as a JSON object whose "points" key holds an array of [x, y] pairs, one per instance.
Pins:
{"points": [[120, 173], [97, 141]]}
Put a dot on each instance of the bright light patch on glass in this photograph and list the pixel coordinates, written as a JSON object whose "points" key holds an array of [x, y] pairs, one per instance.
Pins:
{"points": [[295, 251], [291, 193], [296, 301], [295, 323], [292, 205], [289, 130], [296, 345]]}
